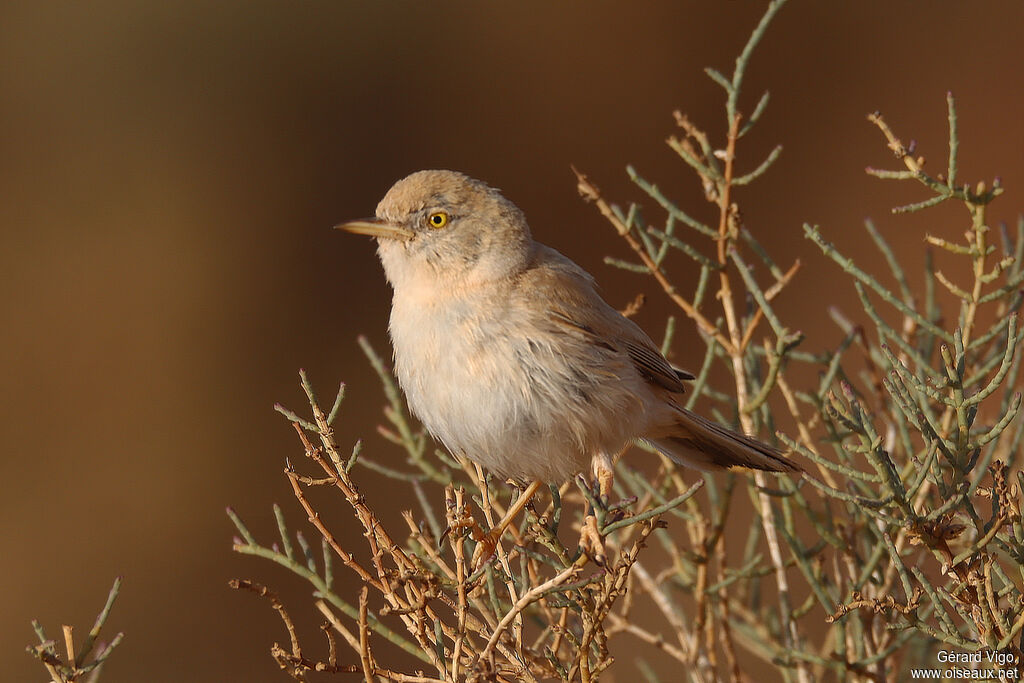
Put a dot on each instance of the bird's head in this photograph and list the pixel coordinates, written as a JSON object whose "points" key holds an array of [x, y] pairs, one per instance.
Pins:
{"points": [[447, 226]]}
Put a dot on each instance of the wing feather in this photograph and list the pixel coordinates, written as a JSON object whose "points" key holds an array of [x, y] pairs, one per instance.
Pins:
{"points": [[583, 311]]}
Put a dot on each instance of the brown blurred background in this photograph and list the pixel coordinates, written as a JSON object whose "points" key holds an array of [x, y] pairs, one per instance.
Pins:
{"points": [[169, 173]]}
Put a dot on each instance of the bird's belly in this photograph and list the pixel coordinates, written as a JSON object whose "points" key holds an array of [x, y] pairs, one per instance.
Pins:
{"points": [[481, 387]]}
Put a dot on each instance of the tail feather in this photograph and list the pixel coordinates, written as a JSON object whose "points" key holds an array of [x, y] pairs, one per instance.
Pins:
{"points": [[704, 445]]}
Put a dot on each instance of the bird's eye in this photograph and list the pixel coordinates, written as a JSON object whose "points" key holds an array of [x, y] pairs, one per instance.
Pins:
{"points": [[438, 219]]}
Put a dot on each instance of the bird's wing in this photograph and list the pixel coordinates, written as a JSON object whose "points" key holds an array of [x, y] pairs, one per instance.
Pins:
{"points": [[572, 303]]}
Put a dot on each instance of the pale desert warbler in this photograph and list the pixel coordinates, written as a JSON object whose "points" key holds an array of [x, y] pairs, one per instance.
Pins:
{"points": [[510, 357]]}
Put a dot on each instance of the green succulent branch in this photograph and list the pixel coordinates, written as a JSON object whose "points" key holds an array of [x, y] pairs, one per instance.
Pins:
{"points": [[84, 663]]}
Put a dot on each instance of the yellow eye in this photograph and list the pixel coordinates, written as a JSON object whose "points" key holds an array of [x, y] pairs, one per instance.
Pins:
{"points": [[438, 219]]}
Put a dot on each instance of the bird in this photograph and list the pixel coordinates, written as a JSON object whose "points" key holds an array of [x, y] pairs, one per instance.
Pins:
{"points": [[509, 356]]}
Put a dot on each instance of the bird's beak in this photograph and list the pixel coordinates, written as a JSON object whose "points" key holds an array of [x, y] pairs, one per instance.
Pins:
{"points": [[376, 227]]}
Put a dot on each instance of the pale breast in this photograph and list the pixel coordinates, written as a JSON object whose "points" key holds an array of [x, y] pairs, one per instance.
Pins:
{"points": [[501, 386], [460, 376]]}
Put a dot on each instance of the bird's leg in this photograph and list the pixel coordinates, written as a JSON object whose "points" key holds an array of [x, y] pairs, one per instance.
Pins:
{"points": [[488, 542], [590, 537], [605, 479]]}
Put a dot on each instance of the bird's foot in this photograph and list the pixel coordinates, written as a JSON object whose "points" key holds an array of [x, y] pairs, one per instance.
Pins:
{"points": [[591, 540], [488, 543], [459, 519], [486, 546]]}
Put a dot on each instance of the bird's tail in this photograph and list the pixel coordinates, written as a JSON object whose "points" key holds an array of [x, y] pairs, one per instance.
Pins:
{"points": [[699, 443]]}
